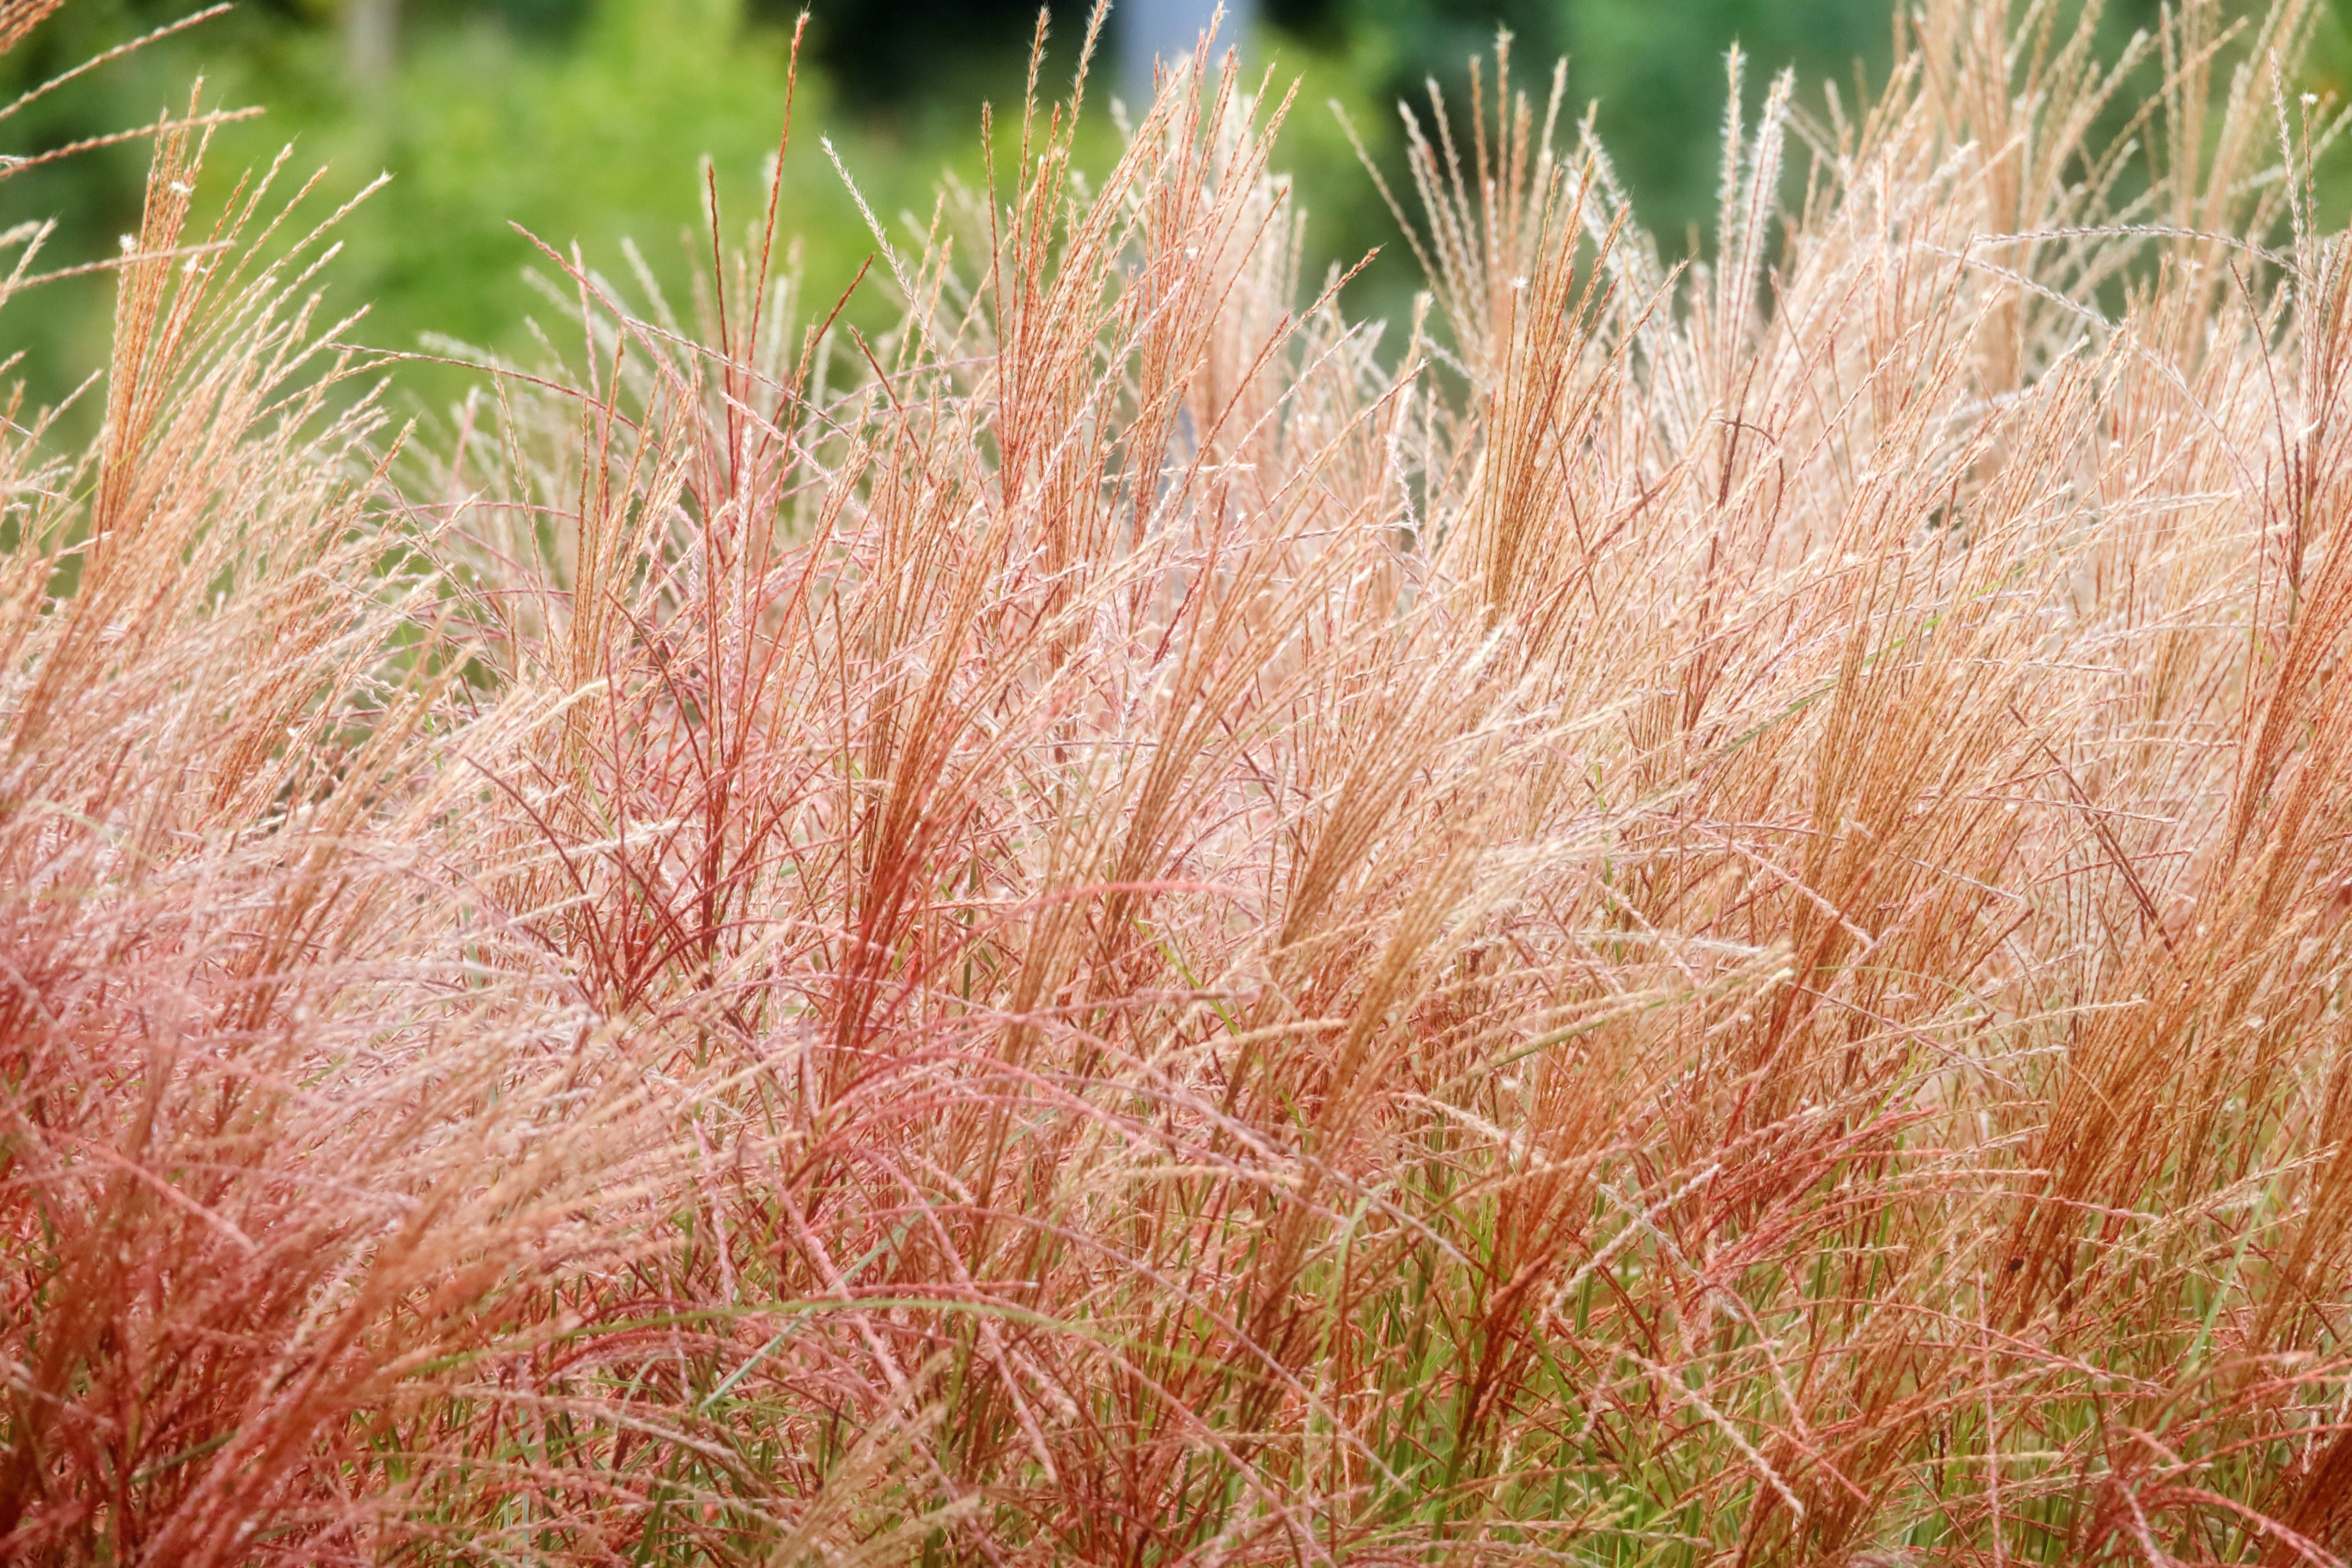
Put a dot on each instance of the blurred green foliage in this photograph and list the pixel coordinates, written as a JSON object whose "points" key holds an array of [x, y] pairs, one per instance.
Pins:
{"points": [[585, 121], [582, 124]]}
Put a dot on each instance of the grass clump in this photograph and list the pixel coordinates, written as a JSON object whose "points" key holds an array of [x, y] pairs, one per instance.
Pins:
{"points": [[1675, 915]]}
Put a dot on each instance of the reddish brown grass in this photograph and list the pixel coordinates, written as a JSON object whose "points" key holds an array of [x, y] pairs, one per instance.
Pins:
{"points": [[1679, 916]]}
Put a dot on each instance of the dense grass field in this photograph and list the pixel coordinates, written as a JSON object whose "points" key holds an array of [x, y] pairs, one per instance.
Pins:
{"points": [[1663, 915]]}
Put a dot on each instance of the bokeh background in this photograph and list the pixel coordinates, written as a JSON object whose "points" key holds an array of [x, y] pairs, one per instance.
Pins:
{"points": [[586, 120]]}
